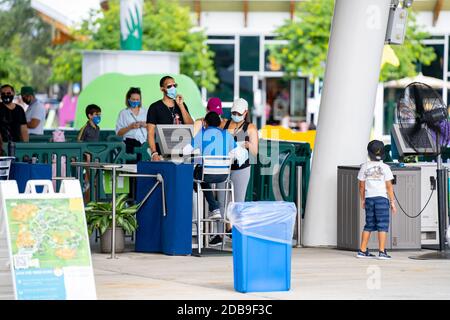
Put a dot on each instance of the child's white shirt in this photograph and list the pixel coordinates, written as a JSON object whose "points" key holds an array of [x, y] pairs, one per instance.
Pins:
{"points": [[375, 174]]}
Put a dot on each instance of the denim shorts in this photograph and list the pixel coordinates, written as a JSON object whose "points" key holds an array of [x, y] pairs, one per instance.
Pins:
{"points": [[377, 214]]}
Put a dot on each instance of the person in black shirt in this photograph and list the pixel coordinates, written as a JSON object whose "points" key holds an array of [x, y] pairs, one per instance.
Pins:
{"points": [[13, 122], [169, 110]]}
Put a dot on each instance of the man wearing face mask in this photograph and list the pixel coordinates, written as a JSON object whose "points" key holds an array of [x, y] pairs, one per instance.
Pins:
{"points": [[13, 122], [35, 113], [171, 109]]}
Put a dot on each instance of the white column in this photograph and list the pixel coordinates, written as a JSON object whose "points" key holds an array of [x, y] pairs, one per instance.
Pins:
{"points": [[346, 110]]}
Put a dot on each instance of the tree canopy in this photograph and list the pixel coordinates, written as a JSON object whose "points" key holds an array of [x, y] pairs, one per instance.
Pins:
{"points": [[25, 39], [308, 36]]}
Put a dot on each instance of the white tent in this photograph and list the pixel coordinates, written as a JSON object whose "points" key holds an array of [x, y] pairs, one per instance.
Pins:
{"points": [[69, 13]]}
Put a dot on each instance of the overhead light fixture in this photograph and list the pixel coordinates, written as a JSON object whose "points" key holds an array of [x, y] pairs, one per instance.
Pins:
{"points": [[397, 21]]}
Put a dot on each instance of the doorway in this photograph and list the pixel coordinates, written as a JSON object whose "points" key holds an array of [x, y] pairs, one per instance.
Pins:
{"points": [[285, 100]]}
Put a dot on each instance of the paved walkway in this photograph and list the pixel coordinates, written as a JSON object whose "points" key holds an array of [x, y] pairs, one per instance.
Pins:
{"points": [[317, 273]]}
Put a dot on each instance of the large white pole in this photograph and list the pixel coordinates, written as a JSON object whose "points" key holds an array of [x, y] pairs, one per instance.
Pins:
{"points": [[346, 109]]}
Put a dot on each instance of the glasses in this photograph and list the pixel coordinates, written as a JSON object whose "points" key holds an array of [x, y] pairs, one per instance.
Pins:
{"points": [[171, 85]]}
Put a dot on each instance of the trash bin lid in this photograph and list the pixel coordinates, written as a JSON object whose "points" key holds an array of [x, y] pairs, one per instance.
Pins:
{"points": [[270, 220]]}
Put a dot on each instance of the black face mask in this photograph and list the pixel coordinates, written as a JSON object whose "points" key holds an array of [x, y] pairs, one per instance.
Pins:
{"points": [[7, 99]]}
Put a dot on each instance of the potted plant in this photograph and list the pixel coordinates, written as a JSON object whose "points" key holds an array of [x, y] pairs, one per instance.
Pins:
{"points": [[99, 217]]}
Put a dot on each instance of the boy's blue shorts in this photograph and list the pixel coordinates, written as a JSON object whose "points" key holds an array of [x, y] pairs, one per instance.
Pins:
{"points": [[377, 214]]}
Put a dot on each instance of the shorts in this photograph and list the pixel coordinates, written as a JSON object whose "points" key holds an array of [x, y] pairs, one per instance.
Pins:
{"points": [[377, 214]]}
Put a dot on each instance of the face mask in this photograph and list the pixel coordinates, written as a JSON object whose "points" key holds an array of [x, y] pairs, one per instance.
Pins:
{"points": [[96, 120], [134, 104], [7, 99], [26, 101], [172, 92], [237, 118]]}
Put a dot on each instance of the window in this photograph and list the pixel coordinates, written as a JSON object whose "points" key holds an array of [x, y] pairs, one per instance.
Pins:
{"points": [[270, 63], [221, 37], [391, 96], [224, 63], [436, 68], [448, 53], [298, 98], [246, 90], [249, 53]]}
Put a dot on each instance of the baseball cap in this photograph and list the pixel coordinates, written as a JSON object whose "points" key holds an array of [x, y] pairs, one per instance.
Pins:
{"points": [[215, 105], [376, 150], [26, 91], [239, 105]]}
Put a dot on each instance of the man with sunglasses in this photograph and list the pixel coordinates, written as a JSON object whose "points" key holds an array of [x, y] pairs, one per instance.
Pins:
{"points": [[171, 109]]}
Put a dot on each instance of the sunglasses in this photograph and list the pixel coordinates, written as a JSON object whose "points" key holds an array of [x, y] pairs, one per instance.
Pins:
{"points": [[171, 85]]}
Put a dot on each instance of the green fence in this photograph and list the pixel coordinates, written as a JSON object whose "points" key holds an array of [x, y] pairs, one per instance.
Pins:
{"points": [[61, 154], [71, 136], [274, 176]]}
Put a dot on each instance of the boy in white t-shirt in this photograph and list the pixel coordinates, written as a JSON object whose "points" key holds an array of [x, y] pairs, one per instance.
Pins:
{"points": [[377, 196]]}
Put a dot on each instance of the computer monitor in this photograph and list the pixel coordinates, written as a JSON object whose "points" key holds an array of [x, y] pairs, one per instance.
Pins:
{"points": [[172, 139], [422, 140]]}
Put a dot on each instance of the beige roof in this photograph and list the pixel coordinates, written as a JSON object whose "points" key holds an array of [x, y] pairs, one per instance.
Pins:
{"points": [[285, 5]]}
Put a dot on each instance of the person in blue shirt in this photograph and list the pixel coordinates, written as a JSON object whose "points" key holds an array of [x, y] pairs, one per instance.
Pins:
{"points": [[212, 141]]}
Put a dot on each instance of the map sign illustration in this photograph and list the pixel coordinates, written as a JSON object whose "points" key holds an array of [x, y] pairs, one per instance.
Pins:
{"points": [[48, 233]]}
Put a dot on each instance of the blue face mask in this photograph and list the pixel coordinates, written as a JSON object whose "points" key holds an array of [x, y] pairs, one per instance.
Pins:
{"points": [[96, 120], [236, 118], [172, 92], [134, 104]]}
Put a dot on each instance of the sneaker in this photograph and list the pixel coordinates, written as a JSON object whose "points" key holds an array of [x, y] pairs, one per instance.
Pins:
{"points": [[366, 254], [382, 255], [215, 214], [230, 235], [216, 241]]}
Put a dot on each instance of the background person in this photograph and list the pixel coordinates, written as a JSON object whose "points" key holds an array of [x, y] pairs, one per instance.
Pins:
{"points": [[90, 132], [214, 105], [35, 113], [246, 135], [2, 152], [171, 109], [131, 123], [13, 122], [212, 141]]}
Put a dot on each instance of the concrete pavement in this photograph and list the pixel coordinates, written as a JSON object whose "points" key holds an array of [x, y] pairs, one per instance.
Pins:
{"points": [[317, 273]]}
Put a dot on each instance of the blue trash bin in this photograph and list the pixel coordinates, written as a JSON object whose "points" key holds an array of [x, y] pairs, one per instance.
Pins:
{"points": [[262, 245]]}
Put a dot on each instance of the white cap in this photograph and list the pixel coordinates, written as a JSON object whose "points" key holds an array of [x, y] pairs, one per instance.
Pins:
{"points": [[239, 105]]}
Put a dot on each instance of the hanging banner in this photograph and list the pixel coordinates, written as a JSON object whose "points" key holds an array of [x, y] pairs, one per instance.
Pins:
{"points": [[131, 24], [48, 243]]}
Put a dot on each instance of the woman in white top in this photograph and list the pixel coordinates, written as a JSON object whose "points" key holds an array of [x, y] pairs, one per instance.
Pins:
{"points": [[132, 121]]}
